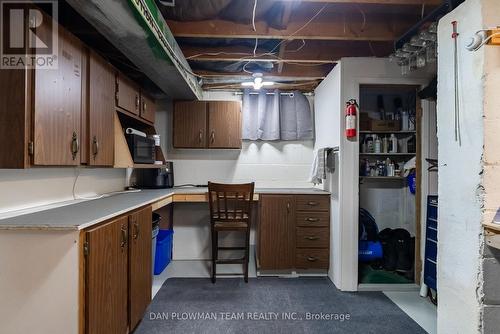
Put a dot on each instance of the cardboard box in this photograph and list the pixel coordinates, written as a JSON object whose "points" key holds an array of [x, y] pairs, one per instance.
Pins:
{"points": [[377, 125]]}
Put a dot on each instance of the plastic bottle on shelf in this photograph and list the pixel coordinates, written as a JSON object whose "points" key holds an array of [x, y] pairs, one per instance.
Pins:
{"points": [[393, 146], [404, 121], [369, 144], [377, 144], [385, 144]]}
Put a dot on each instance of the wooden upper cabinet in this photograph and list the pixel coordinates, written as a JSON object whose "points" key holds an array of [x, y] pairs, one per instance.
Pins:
{"points": [[57, 106], [101, 109], [148, 108], [190, 124], [140, 264], [127, 95], [224, 124], [276, 246], [106, 278]]}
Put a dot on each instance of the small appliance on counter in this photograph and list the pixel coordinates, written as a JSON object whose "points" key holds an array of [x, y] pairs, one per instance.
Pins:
{"points": [[142, 148], [156, 178]]}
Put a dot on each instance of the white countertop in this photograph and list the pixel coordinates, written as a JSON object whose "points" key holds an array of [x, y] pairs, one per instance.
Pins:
{"points": [[85, 214]]}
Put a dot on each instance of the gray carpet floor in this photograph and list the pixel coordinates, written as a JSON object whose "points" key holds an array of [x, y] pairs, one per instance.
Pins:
{"points": [[270, 305]]}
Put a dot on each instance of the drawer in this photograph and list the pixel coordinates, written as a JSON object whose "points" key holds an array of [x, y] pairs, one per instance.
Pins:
{"points": [[307, 219], [310, 258], [312, 237], [313, 203]]}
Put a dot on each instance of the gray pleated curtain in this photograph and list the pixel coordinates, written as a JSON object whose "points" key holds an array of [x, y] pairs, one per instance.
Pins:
{"points": [[276, 117]]}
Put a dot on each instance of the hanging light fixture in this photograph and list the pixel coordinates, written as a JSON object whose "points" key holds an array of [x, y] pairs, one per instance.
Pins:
{"points": [[258, 82]]}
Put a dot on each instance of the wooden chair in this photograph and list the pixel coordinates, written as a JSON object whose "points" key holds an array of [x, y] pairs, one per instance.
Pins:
{"points": [[230, 210]]}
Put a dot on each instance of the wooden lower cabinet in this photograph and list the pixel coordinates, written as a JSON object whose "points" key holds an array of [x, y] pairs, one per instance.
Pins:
{"points": [[106, 278], [140, 271], [118, 273], [293, 232], [276, 232]]}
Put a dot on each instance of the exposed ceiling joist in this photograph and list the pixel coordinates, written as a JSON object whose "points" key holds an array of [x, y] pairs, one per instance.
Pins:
{"points": [[338, 28], [378, 2]]}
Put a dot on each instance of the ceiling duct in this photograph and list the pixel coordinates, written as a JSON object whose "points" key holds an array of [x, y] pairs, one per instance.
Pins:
{"points": [[137, 29]]}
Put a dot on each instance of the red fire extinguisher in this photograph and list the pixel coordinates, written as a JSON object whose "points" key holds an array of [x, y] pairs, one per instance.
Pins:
{"points": [[350, 118]]}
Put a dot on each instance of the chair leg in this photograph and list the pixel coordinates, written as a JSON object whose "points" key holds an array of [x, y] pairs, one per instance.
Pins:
{"points": [[214, 254], [247, 253]]}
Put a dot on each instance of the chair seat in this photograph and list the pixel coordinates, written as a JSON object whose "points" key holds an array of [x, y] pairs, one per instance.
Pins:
{"points": [[230, 225]]}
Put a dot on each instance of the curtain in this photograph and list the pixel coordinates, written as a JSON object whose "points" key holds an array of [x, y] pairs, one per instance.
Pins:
{"points": [[261, 116], [295, 117], [276, 117]]}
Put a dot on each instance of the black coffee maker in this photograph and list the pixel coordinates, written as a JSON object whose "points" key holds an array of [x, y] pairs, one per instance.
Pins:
{"points": [[155, 178]]}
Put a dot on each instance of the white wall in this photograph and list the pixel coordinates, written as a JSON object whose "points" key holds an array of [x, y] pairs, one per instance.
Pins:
{"points": [[352, 72], [327, 108], [269, 164], [462, 189], [21, 189]]}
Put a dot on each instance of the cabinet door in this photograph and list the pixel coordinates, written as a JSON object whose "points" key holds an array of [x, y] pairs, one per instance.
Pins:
{"points": [[140, 258], [276, 232], [190, 124], [148, 109], [106, 278], [57, 106], [127, 95], [101, 111], [224, 124]]}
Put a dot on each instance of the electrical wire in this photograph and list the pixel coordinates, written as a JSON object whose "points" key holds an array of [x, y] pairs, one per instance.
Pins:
{"points": [[76, 197], [255, 47], [253, 15], [299, 48], [301, 28], [364, 18]]}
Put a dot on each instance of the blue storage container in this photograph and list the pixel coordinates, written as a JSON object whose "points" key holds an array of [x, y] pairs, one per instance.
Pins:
{"points": [[163, 255], [369, 251]]}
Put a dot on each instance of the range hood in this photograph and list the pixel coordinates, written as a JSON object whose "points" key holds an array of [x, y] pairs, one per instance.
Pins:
{"points": [[137, 29]]}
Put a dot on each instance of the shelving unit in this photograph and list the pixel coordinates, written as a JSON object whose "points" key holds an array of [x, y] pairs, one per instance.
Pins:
{"points": [[387, 198]]}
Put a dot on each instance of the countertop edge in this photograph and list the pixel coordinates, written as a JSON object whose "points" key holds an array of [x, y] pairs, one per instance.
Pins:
{"points": [[180, 191]]}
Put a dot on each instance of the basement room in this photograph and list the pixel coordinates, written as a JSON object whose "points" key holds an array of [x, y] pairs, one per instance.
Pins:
{"points": [[249, 166]]}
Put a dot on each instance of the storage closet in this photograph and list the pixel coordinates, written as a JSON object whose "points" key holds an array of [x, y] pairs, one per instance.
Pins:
{"points": [[388, 174]]}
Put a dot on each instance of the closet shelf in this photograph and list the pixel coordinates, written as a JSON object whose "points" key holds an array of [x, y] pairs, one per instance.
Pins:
{"points": [[383, 178], [388, 154], [387, 132]]}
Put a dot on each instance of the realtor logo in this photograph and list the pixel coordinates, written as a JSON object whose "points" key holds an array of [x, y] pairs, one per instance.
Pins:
{"points": [[28, 34]]}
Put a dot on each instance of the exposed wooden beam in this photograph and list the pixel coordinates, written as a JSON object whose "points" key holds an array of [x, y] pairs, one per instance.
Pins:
{"points": [[263, 59], [291, 71], [313, 51], [335, 28], [378, 2]]}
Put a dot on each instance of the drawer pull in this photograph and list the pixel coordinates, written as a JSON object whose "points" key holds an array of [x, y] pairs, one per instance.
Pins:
{"points": [[310, 219], [312, 203], [310, 237], [311, 259]]}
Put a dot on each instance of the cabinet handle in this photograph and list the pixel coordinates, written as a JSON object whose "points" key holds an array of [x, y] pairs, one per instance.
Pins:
{"points": [[312, 203], [136, 102], [75, 146], [311, 237], [95, 146], [310, 219], [288, 207], [212, 137], [200, 138], [144, 106], [124, 236], [136, 230], [311, 259]]}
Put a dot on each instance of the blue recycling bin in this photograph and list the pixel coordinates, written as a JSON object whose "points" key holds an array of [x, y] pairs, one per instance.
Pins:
{"points": [[163, 256]]}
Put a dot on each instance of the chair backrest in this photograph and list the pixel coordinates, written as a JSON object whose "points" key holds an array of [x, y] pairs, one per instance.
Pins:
{"points": [[230, 202]]}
